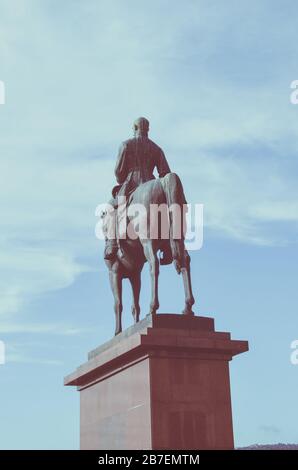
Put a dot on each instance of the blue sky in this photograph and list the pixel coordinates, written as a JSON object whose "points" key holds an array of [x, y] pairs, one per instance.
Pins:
{"points": [[214, 80]]}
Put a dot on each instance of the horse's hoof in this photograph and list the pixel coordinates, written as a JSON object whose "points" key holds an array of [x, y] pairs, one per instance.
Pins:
{"points": [[188, 311], [135, 314], [152, 312], [117, 332]]}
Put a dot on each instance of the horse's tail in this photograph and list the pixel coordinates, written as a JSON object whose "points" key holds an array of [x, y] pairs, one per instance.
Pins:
{"points": [[176, 202]]}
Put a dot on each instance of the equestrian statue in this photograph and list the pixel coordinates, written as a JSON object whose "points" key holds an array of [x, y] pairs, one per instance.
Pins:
{"points": [[157, 234]]}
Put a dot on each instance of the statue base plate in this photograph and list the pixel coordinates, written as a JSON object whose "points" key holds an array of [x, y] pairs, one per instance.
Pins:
{"points": [[161, 384]]}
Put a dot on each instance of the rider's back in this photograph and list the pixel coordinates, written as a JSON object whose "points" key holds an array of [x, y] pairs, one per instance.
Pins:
{"points": [[137, 159]]}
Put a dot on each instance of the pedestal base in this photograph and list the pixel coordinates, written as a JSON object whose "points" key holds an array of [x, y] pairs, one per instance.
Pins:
{"points": [[161, 384]]}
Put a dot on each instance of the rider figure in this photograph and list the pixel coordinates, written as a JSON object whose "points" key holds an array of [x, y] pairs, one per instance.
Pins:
{"points": [[137, 159]]}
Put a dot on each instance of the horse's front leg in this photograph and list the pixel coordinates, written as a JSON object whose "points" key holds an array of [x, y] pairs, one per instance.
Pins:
{"points": [[151, 255], [116, 285], [135, 281], [189, 298]]}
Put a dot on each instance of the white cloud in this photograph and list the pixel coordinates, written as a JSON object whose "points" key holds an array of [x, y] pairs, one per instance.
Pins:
{"points": [[40, 328], [278, 211], [26, 273], [241, 197], [26, 359]]}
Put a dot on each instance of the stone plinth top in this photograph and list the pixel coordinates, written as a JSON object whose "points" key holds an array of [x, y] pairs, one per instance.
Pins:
{"points": [[161, 334]]}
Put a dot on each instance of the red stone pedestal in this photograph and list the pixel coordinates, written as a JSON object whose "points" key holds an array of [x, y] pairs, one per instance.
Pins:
{"points": [[161, 384]]}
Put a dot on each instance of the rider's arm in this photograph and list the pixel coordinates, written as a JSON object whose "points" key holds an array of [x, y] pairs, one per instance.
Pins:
{"points": [[121, 164], [162, 164]]}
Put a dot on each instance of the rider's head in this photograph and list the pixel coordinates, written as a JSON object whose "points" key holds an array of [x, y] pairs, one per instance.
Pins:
{"points": [[141, 126]]}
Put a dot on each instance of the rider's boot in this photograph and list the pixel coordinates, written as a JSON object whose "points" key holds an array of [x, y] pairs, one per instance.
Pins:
{"points": [[111, 249], [111, 246], [167, 257]]}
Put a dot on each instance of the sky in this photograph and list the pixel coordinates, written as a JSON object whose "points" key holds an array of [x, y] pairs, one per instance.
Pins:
{"points": [[214, 80]]}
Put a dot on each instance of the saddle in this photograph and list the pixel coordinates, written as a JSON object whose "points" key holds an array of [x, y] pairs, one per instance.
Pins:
{"points": [[165, 253]]}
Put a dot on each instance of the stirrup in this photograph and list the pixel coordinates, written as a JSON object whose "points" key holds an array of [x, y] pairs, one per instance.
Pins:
{"points": [[166, 258], [110, 251]]}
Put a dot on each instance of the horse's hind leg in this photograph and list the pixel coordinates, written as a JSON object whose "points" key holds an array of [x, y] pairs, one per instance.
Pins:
{"points": [[189, 299], [116, 285], [151, 256], [135, 281]]}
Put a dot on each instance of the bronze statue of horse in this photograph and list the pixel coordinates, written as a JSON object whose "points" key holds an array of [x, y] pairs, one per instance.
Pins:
{"points": [[135, 251]]}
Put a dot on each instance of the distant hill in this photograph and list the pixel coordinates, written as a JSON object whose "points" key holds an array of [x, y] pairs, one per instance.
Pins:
{"points": [[279, 446]]}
